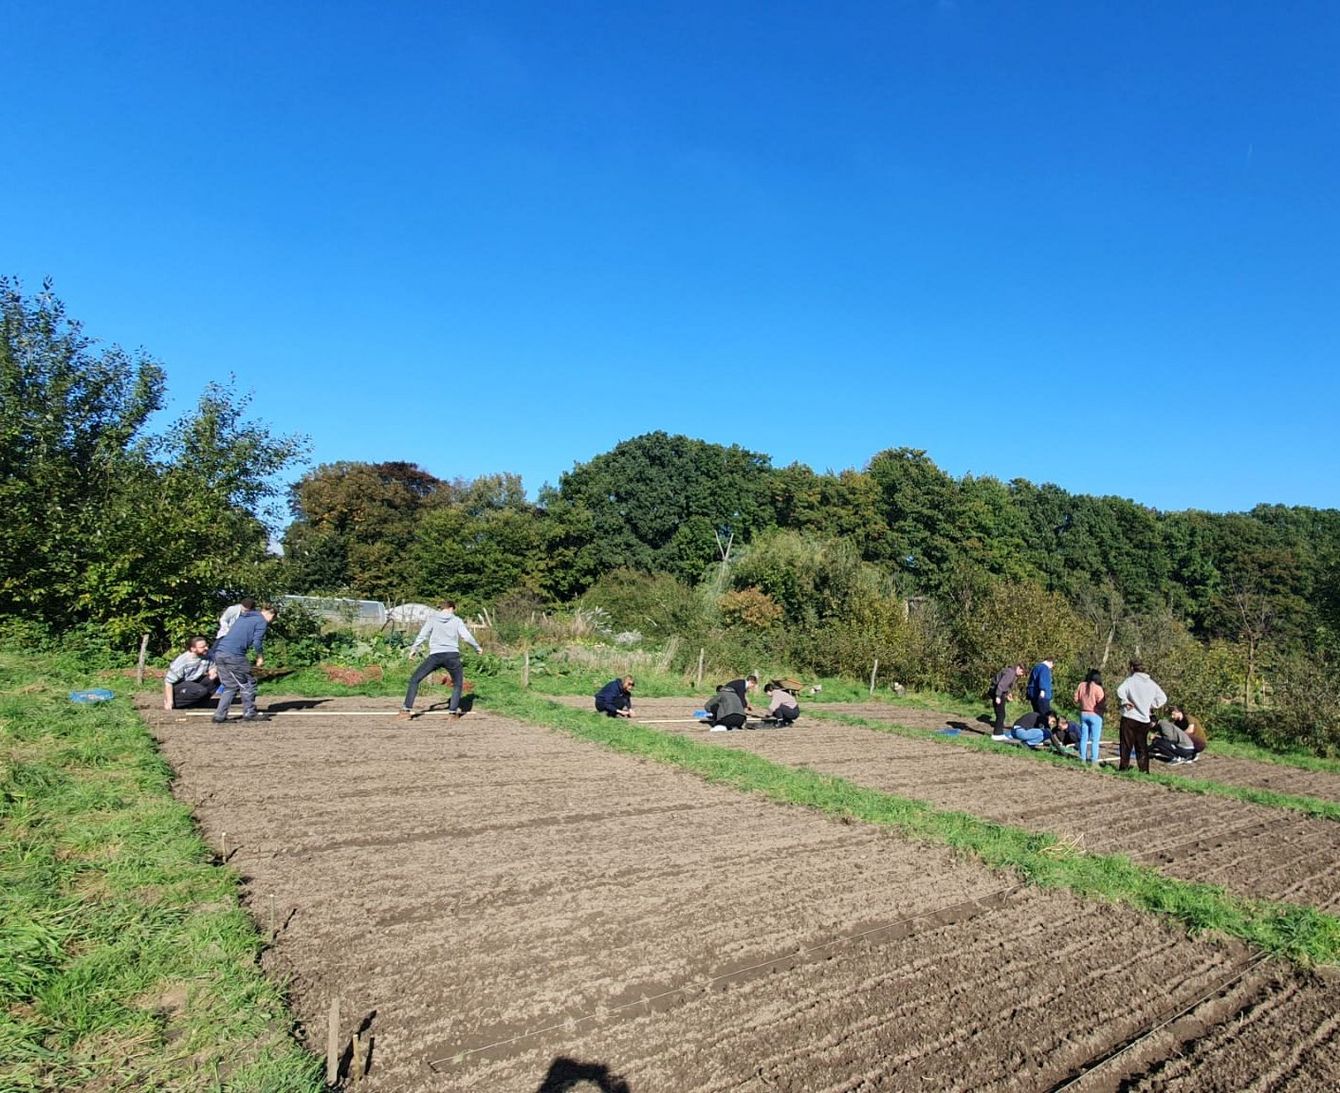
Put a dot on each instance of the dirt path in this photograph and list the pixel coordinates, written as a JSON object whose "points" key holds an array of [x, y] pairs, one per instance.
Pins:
{"points": [[1250, 849], [516, 909]]}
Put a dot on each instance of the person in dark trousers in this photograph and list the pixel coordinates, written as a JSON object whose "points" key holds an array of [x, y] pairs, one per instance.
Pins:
{"points": [[443, 632], [1039, 689], [1001, 687], [190, 678], [742, 687], [1139, 696], [1194, 731], [235, 671], [783, 709], [1171, 744], [615, 699], [725, 709]]}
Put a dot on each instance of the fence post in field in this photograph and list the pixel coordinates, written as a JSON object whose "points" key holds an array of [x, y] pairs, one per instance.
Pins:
{"points": [[333, 1043], [139, 667], [525, 669], [699, 682], [874, 672]]}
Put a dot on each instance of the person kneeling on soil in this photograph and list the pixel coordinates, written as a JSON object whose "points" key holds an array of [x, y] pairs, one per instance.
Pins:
{"points": [[1170, 744], [725, 710], [1182, 720], [615, 699], [783, 709], [1034, 729], [190, 678]]}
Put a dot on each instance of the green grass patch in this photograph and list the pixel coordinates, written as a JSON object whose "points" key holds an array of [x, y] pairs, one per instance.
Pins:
{"points": [[1298, 933], [126, 960], [1309, 806]]}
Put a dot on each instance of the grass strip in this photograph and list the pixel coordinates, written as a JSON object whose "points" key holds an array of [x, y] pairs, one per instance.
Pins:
{"points": [[1301, 934], [126, 960], [1308, 806]]}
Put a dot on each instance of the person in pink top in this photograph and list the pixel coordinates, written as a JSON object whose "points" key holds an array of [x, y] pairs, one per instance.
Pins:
{"points": [[1092, 702]]}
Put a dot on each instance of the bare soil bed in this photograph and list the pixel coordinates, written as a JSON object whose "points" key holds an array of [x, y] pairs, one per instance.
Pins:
{"points": [[1252, 850], [1211, 767], [512, 909]]}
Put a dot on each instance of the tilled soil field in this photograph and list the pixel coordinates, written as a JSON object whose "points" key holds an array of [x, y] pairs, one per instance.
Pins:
{"points": [[1250, 849], [1211, 767], [507, 908]]}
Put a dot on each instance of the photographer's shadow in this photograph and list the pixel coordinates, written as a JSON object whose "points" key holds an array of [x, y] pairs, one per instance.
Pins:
{"points": [[566, 1074]]}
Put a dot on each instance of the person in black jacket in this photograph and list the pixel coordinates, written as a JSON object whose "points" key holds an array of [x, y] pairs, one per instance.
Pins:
{"points": [[615, 699], [742, 687]]}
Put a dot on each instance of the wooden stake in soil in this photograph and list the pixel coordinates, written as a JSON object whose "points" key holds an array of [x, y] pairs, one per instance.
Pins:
{"points": [[525, 670], [360, 1058], [139, 667], [873, 672], [272, 916], [699, 683], [223, 839], [333, 1043]]}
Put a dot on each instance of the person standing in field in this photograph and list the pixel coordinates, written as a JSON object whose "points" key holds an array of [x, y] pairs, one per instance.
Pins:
{"points": [[1139, 696], [235, 671], [1001, 687], [190, 677], [443, 632], [1092, 702], [1039, 689], [232, 614], [615, 699]]}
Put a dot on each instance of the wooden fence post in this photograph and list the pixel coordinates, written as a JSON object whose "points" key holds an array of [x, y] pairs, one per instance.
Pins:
{"points": [[139, 667], [333, 1043], [525, 669], [698, 684], [873, 672]]}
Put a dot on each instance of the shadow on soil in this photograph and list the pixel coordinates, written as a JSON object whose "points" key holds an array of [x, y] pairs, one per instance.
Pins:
{"points": [[467, 704], [347, 1066], [296, 704], [565, 1074]]}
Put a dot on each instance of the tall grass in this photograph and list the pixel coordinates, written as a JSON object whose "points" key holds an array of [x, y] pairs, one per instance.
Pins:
{"points": [[126, 961]]}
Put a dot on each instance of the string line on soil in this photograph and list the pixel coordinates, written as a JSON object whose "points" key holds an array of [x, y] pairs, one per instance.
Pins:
{"points": [[1269, 798], [1134, 1041], [705, 985], [1301, 933]]}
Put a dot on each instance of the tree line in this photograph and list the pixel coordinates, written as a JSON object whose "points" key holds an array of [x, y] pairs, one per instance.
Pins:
{"points": [[942, 579]]}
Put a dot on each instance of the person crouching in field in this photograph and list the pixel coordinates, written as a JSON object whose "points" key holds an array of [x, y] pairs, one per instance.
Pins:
{"points": [[742, 687], [783, 709], [1171, 744], [1183, 721], [615, 699], [190, 678], [1034, 729], [725, 709], [230, 659], [443, 632]]}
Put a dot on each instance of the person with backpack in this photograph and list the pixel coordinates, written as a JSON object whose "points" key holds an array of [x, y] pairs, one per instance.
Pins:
{"points": [[1092, 702], [1039, 689], [999, 693]]}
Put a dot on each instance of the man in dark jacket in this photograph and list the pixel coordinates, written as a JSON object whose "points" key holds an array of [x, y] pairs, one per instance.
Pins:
{"points": [[742, 687], [615, 699], [725, 709], [1039, 690], [230, 660]]}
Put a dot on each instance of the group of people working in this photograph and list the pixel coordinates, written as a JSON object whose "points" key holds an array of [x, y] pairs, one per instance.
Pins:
{"points": [[729, 708], [1175, 738], [222, 669]]}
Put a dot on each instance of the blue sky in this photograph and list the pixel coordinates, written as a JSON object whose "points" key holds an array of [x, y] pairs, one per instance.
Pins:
{"points": [[1092, 244]]}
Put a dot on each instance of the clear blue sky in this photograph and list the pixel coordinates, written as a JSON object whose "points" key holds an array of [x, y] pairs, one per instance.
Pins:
{"points": [[1093, 244]]}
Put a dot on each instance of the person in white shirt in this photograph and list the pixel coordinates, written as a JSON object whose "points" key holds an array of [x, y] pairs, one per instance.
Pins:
{"points": [[232, 614], [444, 633], [1139, 696]]}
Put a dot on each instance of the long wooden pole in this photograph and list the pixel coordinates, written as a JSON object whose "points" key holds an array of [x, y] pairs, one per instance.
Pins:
{"points": [[333, 1043], [139, 667], [699, 682], [873, 672]]}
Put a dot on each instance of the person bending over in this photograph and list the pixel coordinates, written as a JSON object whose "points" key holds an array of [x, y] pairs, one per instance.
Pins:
{"points": [[742, 687], [615, 699], [1170, 744], [1039, 688], [1193, 729], [1034, 729], [725, 709], [235, 671], [782, 705], [1001, 688], [190, 678]]}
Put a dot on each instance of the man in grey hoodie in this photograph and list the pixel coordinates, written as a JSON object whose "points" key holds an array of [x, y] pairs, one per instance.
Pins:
{"points": [[443, 632], [1139, 696]]}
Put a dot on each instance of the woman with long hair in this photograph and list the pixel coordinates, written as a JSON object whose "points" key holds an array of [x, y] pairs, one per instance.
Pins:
{"points": [[1092, 701]]}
